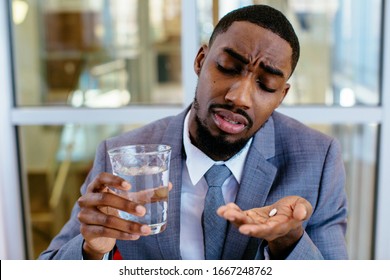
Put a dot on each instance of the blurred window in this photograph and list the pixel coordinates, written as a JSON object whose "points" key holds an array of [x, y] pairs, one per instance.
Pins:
{"points": [[98, 53]]}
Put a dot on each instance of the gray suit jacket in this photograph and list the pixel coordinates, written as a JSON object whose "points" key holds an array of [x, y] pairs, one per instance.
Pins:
{"points": [[285, 158]]}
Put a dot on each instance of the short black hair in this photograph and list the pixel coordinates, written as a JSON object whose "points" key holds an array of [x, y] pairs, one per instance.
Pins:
{"points": [[266, 17]]}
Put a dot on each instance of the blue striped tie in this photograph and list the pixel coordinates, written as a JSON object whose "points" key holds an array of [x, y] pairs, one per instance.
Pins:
{"points": [[214, 227]]}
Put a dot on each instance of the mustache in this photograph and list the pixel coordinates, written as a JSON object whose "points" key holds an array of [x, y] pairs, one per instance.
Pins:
{"points": [[234, 110]]}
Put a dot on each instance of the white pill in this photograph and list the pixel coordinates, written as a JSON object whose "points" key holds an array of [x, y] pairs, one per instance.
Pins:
{"points": [[273, 212]]}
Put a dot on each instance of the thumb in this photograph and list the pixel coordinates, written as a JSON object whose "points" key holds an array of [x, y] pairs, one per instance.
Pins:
{"points": [[302, 210]]}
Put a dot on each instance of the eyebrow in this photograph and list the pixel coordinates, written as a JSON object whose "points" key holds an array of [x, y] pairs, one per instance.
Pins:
{"points": [[236, 55], [272, 70], [267, 68]]}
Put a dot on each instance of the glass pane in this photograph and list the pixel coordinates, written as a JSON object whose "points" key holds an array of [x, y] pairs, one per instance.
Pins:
{"points": [[340, 52], [97, 53]]}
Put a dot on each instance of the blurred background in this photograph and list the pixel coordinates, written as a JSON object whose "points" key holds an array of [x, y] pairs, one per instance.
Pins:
{"points": [[74, 72]]}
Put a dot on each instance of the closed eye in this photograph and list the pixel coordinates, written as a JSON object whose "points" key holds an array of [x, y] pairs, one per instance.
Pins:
{"points": [[228, 70], [265, 88]]}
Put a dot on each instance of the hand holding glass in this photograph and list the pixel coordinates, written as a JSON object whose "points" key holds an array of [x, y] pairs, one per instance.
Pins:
{"points": [[146, 168]]}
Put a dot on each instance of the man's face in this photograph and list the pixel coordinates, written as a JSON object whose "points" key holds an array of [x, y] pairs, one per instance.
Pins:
{"points": [[242, 79]]}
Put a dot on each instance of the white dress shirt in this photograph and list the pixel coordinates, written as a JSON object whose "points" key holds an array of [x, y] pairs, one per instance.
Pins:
{"points": [[194, 189]]}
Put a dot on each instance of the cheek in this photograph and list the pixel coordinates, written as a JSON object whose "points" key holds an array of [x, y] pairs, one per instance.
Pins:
{"points": [[212, 88], [260, 117], [205, 81], [263, 108], [211, 77], [269, 101]]}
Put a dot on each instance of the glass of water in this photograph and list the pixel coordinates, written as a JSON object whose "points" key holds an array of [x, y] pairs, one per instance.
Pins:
{"points": [[146, 168]]}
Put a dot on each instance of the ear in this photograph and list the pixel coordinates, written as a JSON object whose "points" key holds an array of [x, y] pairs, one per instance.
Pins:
{"points": [[199, 59], [285, 91]]}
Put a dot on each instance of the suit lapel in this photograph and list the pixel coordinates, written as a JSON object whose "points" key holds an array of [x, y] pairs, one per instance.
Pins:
{"points": [[256, 182]]}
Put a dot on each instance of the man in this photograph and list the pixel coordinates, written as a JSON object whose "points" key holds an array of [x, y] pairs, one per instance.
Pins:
{"points": [[285, 198]]}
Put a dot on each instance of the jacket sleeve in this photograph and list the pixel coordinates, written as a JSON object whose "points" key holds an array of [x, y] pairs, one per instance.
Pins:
{"points": [[324, 236]]}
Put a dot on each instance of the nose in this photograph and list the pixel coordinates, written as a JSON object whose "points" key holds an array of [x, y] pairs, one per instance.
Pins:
{"points": [[240, 93]]}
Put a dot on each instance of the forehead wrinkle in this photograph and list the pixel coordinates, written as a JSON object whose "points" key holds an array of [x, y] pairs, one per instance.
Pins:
{"points": [[269, 69]]}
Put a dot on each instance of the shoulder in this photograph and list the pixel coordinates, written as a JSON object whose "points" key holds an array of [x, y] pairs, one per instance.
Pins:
{"points": [[285, 125], [290, 132]]}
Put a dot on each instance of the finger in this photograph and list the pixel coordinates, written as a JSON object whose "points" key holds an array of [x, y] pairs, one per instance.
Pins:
{"points": [[118, 189], [235, 216], [149, 195], [111, 200], [269, 230], [108, 210], [300, 212], [229, 206], [104, 179], [255, 230], [96, 218], [93, 231], [224, 208]]}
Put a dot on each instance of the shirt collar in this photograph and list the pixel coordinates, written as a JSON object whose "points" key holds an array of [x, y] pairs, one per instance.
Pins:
{"points": [[198, 162]]}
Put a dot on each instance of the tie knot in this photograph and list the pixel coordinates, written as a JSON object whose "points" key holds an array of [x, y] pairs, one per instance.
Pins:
{"points": [[216, 175]]}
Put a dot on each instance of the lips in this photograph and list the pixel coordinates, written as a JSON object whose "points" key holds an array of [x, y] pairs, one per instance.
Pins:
{"points": [[229, 122]]}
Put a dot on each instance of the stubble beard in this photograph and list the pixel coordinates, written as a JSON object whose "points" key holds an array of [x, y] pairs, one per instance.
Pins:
{"points": [[216, 147]]}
